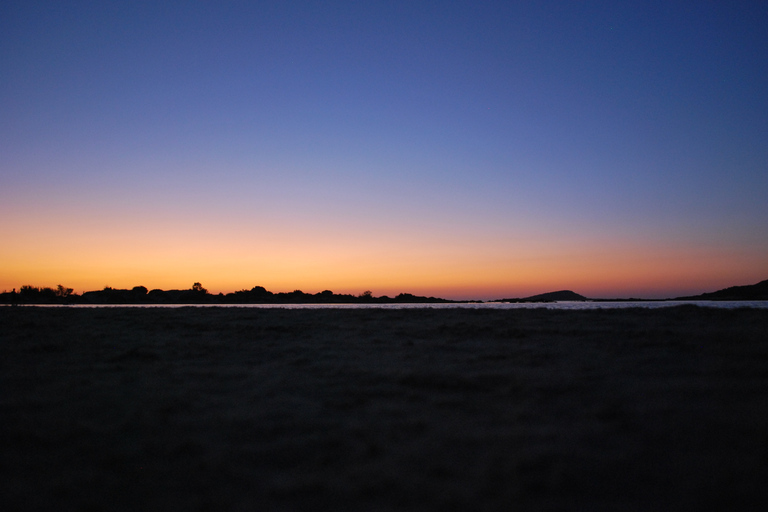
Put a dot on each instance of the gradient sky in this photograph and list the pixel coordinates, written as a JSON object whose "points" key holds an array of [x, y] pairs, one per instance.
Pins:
{"points": [[467, 150]]}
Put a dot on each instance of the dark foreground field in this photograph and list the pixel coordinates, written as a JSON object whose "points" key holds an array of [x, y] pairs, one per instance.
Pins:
{"points": [[252, 409]]}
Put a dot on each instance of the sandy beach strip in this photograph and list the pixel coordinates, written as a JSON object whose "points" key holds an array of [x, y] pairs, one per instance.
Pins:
{"points": [[419, 409]]}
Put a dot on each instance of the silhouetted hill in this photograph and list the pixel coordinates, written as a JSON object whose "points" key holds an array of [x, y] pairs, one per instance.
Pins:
{"points": [[757, 291], [562, 295]]}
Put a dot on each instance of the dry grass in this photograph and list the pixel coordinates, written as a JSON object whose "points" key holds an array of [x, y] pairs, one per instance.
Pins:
{"points": [[251, 409]]}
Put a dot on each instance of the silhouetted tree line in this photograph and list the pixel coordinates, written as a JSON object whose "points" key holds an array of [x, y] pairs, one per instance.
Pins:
{"points": [[198, 295], [259, 295]]}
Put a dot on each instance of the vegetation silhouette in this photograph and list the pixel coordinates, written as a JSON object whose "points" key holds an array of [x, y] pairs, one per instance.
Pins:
{"points": [[63, 292], [198, 294], [34, 294]]}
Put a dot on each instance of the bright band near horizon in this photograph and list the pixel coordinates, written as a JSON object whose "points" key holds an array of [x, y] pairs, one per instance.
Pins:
{"points": [[462, 150]]}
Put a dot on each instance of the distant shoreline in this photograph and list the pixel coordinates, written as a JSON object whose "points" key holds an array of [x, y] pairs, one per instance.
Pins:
{"points": [[494, 305], [259, 295]]}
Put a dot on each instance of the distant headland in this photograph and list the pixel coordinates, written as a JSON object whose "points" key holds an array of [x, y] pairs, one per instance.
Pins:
{"points": [[757, 291], [197, 294], [562, 295]]}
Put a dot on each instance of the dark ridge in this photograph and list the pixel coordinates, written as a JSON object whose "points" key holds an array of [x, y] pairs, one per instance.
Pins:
{"points": [[562, 295], [757, 291], [259, 295]]}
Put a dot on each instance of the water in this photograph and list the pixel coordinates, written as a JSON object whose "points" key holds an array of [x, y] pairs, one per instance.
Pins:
{"points": [[464, 305]]}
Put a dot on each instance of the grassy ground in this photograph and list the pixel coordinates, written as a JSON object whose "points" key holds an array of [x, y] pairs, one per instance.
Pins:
{"points": [[252, 409]]}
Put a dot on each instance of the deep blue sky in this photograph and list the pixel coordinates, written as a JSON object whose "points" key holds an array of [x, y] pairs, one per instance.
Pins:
{"points": [[619, 144]]}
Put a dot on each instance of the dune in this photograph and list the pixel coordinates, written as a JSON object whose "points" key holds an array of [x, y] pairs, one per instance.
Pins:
{"points": [[421, 409]]}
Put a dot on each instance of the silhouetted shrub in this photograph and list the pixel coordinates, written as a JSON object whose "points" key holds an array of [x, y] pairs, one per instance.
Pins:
{"points": [[63, 292]]}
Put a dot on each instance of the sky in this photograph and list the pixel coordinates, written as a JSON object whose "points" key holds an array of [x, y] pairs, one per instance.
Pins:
{"points": [[460, 149]]}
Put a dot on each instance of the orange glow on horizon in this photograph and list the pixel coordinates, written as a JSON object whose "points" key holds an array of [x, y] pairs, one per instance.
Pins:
{"points": [[387, 267], [457, 263]]}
